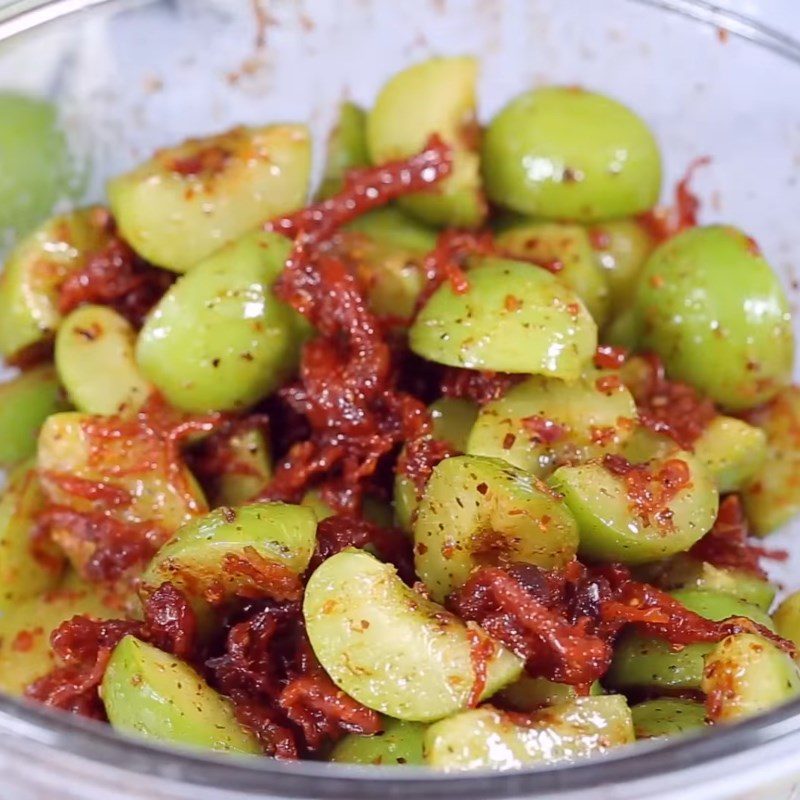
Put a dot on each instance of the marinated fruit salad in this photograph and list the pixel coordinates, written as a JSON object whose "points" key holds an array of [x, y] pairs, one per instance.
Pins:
{"points": [[461, 463]]}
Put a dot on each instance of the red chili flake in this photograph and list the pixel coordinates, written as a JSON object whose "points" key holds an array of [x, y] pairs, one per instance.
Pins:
{"points": [[727, 545], [508, 441], [599, 238], [447, 261], [665, 222], [673, 408], [512, 303], [608, 356], [25, 639], [602, 435], [608, 384], [544, 430]]}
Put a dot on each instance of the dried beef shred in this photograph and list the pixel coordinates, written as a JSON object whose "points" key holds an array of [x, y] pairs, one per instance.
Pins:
{"points": [[317, 706], [170, 623], [116, 546], [365, 190], [536, 628], [278, 688], [337, 532], [156, 433], [83, 645], [347, 388], [673, 408], [256, 576], [564, 623], [665, 222], [727, 544], [480, 387], [115, 276], [419, 458]]}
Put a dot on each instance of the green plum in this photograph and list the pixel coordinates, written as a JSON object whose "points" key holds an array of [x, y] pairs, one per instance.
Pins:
{"points": [[26, 401], [347, 149], [772, 496], [35, 270], [95, 360], [566, 250], [478, 510], [34, 163], [399, 743], [435, 96], [219, 340], [710, 306], [513, 317], [392, 649], [614, 528], [667, 716], [154, 695], [187, 201], [569, 154]]}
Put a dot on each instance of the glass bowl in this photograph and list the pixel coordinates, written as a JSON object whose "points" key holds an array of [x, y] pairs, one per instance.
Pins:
{"points": [[130, 76]]}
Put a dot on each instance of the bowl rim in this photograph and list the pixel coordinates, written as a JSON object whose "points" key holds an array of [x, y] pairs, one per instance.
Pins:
{"points": [[89, 741]]}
